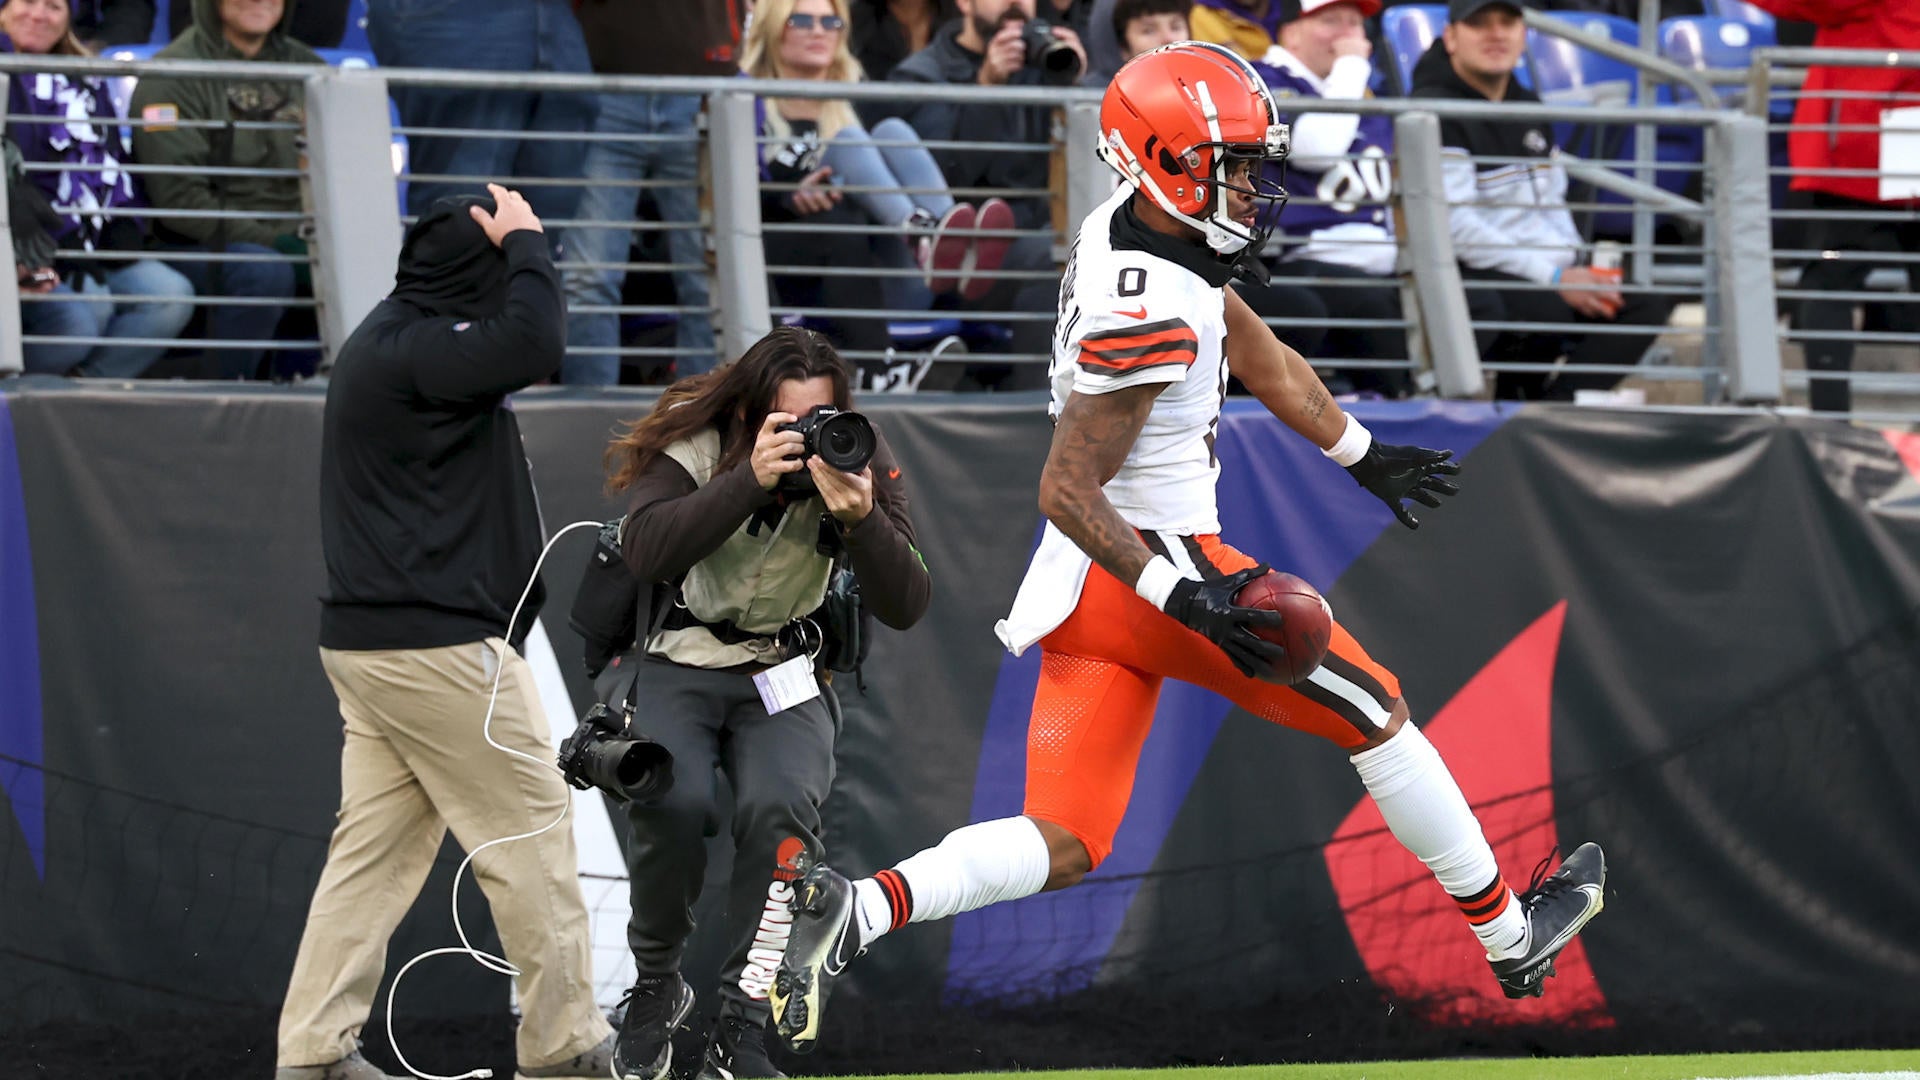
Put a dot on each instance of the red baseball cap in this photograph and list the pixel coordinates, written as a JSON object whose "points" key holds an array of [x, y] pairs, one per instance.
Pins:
{"points": [[1307, 7]]}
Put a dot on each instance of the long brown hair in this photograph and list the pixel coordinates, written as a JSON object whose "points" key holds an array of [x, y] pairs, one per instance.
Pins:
{"points": [[735, 399]]}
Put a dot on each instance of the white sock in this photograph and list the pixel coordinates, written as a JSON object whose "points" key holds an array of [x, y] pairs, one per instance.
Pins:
{"points": [[1426, 812], [974, 866]]}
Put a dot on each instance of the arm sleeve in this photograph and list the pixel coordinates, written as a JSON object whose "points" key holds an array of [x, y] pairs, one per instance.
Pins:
{"points": [[1321, 140], [190, 147], [676, 523], [1477, 241], [894, 583], [462, 361]]}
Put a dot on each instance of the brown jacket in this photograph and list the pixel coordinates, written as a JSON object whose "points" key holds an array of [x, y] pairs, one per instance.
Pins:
{"points": [[678, 521]]}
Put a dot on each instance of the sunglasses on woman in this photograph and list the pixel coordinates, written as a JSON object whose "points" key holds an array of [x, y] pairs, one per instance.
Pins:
{"points": [[829, 23]]}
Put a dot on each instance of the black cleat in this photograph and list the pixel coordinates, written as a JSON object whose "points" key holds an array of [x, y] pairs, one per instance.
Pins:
{"points": [[824, 941], [1556, 909], [656, 1005], [738, 1052]]}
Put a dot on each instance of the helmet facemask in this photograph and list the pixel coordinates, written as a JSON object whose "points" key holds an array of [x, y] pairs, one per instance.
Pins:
{"points": [[1211, 167]]}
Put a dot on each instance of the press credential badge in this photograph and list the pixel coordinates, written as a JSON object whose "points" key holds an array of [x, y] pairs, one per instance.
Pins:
{"points": [[786, 685]]}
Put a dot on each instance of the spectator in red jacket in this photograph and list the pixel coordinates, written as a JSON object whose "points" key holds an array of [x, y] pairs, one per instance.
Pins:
{"points": [[1837, 128]]}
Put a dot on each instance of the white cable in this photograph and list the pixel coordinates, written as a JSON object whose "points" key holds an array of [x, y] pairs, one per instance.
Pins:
{"points": [[484, 959]]}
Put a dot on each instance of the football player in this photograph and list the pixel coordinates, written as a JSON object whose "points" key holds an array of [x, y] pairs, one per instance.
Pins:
{"points": [[1132, 585]]}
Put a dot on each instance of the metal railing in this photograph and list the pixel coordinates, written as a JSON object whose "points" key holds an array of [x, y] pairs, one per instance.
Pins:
{"points": [[182, 264], [356, 215], [1835, 255]]}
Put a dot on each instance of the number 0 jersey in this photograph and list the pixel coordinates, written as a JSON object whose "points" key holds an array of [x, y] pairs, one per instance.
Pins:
{"points": [[1139, 307]]}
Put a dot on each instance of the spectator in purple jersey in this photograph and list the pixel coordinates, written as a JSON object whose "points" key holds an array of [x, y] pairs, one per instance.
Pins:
{"points": [[1340, 176], [77, 128]]}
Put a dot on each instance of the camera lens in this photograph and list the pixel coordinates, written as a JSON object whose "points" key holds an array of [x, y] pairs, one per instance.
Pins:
{"points": [[845, 441]]}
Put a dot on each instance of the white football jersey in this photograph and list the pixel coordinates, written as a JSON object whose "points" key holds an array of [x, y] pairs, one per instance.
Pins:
{"points": [[1127, 317]]}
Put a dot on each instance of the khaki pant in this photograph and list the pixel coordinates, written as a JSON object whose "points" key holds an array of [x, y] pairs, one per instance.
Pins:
{"points": [[415, 765]]}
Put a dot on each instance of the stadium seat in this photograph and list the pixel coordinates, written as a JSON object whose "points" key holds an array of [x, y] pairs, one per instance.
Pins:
{"points": [[356, 35], [1410, 29], [1566, 73], [1717, 43], [1741, 11]]}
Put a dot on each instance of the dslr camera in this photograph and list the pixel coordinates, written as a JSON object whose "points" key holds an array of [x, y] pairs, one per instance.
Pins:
{"points": [[603, 753], [1054, 59], [791, 162], [842, 438]]}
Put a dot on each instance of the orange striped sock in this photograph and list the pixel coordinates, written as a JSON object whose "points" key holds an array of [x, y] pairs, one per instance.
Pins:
{"points": [[899, 897]]}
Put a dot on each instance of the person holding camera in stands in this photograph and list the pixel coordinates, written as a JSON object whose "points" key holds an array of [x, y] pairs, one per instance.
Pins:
{"points": [[431, 533], [755, 490], [814, 145], [998, 43]]}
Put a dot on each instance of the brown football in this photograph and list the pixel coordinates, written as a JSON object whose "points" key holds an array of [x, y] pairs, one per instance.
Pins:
{"points": [[1308, 628]]}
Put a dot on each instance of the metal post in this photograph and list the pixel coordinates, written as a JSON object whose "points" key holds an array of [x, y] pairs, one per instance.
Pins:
{"points": [[1428, 256], [11, 359], [1089, 181], [740, 258], [1643, 148], [1742, 248], [354, 199]]}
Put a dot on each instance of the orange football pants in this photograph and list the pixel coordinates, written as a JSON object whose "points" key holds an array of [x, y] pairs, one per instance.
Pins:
{"points": [[1100, 675]]}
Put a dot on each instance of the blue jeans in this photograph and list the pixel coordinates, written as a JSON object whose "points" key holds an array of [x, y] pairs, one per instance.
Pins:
{"points": [[675, 163], [857, 162], [227, 322], [487, 35], [106, 317]]}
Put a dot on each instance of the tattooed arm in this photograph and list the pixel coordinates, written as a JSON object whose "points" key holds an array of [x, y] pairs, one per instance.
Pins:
{"points": [[1281, 378], [1090, 442]]}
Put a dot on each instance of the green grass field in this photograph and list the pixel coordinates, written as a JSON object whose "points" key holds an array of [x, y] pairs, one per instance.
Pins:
{"points": [[1880, 1064]]}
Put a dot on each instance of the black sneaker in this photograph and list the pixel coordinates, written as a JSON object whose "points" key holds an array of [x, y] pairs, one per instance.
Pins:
{"points": [[655, 1006], [823, 941], [738, 1051], [1556, 909]]}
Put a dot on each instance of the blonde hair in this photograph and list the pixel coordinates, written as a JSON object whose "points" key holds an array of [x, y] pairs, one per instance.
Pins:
{"points": [[69, 44], [760, 58]]}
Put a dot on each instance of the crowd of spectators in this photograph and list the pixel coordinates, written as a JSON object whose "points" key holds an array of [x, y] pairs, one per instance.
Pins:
{"points": [[949, 204]]}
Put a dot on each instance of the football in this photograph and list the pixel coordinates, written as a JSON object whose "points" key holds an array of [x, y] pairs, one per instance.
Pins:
{"points": [[1308, 629]]}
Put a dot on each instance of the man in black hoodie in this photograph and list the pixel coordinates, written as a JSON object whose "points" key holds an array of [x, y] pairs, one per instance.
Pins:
{"points": [[1510, 222], [431, 531]]}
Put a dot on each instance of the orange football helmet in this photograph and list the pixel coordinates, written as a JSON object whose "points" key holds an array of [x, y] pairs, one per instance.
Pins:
{"points": [[1175, 123]]}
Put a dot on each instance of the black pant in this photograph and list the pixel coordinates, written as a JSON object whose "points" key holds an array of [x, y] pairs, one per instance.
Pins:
{"points": [[1544, 305], [779, 767], [1852, 239], [836, 251], [1281, 300]]}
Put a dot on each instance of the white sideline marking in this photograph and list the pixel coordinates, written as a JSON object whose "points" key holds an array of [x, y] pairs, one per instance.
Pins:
{"points": [[1831, 1076]]}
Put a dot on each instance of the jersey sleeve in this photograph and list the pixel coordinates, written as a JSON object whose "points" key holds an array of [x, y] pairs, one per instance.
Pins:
{"points": [[1126, 332]]}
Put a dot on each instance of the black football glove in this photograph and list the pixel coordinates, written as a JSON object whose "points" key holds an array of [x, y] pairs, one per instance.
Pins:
{"points": [[1397, 473], [1207, 608]]}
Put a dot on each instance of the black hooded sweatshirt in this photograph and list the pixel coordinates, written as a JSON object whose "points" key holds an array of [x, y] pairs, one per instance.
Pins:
{"points": [[427, 511]]}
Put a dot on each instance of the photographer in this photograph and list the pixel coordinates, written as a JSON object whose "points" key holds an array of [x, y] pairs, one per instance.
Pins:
{"points": [[431, 530], [737, 526]]}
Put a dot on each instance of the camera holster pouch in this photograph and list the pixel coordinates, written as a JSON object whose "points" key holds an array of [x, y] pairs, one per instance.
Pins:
{"points": [[607, 604], [845, 635]]}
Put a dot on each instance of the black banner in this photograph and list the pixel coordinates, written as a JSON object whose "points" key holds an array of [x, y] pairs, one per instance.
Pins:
{"points": [[1691, 637]]}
